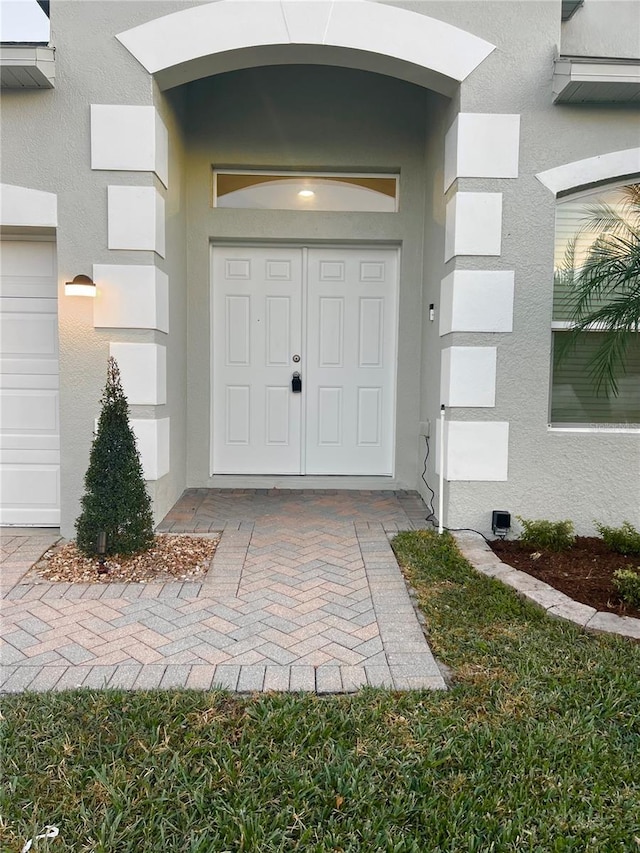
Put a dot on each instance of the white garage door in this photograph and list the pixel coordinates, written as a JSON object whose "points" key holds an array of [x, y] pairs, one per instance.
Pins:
{"points": [[29, 422]]}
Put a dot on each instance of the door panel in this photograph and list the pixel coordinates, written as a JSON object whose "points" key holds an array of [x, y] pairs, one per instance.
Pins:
{"points": [[257, 315], [350, 375], [343, 421]]}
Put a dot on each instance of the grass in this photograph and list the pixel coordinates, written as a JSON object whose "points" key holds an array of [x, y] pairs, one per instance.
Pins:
{"points": [[534, 749]]}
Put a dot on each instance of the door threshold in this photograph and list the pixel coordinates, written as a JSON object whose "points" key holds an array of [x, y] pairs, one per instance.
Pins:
{"points": [[293, 481]]}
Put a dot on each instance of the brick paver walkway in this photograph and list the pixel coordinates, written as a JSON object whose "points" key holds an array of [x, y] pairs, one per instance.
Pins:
{"points": [[304, 593]]}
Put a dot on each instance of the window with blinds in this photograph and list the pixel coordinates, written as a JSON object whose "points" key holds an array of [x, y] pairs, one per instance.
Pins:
{"points": [[574, 237], [574, 399], [573, 396]]}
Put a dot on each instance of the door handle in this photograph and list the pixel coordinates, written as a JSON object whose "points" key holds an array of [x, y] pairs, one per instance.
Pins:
{"points": [[296, 383]]}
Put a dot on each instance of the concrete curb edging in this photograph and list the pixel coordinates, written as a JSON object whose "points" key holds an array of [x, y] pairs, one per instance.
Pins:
{"points": [[558, 605]]}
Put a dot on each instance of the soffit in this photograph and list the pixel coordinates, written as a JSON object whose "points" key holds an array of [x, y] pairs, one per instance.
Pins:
{"points": [[578, 80], [27, 66]]}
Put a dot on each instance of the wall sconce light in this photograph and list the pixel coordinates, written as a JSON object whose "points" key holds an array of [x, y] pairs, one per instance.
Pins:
{"points": [[81, 285]]}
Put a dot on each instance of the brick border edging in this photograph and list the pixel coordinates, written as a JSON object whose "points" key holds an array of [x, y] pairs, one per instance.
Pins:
{"points": [[557, 604]]}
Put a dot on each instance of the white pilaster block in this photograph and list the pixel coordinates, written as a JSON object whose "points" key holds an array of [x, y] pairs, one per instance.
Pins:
{"points": [[468, 376], [136, 219], [153, 437], [161, 167], [474, 450], [143, 369], [473, 225], [130, 297], [477, 301], [482, 145], [129, 139]]}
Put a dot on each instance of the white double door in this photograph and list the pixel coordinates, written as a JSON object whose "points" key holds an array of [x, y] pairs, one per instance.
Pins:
{"points": [[328, 314]]}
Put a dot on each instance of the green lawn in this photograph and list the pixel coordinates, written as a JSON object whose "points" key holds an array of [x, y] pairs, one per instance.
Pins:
{"points": [[536, 748]]}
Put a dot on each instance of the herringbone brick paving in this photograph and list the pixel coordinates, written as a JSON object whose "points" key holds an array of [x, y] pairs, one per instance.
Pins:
{"points": [[304, 593]]}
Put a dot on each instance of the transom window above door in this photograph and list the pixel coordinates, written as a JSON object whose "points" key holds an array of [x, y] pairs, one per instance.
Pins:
{"points": [[264, 190]]}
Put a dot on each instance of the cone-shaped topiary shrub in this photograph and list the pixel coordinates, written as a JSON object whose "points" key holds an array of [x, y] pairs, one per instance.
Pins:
{"points": [[115, 499]]}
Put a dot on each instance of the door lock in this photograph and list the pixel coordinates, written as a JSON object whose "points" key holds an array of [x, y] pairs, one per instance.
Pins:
{"points": [[296, 383], [296, 358]]}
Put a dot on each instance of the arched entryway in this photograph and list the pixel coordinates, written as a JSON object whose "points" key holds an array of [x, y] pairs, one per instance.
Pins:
{"points": [[374, 82]]}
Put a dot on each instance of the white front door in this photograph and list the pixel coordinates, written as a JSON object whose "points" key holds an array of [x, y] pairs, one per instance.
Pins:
{"points": [[29, 423], [328, 314]]}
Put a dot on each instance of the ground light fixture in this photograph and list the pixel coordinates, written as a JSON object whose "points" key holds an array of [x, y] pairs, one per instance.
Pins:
{"points": [[500, 522], [81, 285], [101, 550]]}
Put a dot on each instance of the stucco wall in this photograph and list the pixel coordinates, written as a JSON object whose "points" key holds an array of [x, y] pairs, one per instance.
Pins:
{"points": [[324, 118], [582, 476], [46, 145], [590, 32], [306, 118]]}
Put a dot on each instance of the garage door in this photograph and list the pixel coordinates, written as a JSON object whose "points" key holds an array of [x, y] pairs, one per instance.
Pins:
{"points": [[29, 420]]}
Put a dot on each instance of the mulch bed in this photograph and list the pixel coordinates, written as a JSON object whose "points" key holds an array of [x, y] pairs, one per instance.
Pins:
{"points": [[172, 557], [584, 572]]}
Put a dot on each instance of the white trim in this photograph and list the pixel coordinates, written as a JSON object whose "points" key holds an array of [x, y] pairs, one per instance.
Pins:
{"points": [[595, 430], [567, 325], [204, 40], [28, 208], [593, 170]]}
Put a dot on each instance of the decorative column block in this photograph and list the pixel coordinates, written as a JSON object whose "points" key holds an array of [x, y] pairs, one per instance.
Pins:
{"points": [[131, 297], [129, 139], [468, 376], [153, 438], [136, 219], [474, 450], [473, 225], [477, 301], [143, 369], [482, 145]]}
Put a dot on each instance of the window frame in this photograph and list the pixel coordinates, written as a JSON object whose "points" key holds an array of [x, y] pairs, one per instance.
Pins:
{"points": [[311, 173], [559, 326]]}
